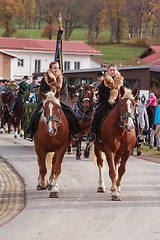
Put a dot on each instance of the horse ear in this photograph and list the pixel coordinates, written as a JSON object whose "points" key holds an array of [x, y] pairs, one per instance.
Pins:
{"points": [[135, 92], [57, 95], [43, 96], [122, 91]]}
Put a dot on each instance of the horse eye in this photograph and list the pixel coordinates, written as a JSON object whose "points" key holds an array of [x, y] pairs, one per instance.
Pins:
{"points": [[121, 105]]}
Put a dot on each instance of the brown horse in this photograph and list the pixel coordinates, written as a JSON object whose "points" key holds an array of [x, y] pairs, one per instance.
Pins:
{"points": [[52, 135], [118, 137], [5, 109], [17, 119], [83, 110]]}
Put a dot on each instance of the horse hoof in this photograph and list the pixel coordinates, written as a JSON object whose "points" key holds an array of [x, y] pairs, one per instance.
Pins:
{"points": [[78, 158], [49, 187], [15, 136], [116, 198], [101, 190], [21, 135], [54, 195], [86, 155], [69, 152], [39, 188]]}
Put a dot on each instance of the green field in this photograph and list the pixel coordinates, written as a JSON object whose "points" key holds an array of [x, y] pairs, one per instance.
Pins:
{"points": [[118, 53]]}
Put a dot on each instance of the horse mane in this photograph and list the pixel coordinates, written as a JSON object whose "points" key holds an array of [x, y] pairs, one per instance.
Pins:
{"points": [[50, 96], [127, 94]]}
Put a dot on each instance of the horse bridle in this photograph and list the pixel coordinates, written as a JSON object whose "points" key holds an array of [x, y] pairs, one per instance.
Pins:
{"points": [[79, 111], [123, 116], [53, 118]]}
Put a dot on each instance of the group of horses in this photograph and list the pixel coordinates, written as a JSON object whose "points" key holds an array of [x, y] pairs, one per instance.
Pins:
{"points": [[10, 122], [117, 133], [118, 137]]}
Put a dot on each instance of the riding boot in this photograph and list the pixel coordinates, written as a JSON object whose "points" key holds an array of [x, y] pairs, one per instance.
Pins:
{"points": [[12, 108]]}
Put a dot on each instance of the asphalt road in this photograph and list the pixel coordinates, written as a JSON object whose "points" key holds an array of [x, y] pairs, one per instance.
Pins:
{"points": [[81, 212]]}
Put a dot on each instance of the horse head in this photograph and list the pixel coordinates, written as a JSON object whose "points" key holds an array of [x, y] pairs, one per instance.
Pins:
{"points": [[86, 98], [127, 107], [52, 111], [6, 100]]}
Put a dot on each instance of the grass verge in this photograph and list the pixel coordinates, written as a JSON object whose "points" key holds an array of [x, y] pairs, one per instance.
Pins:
{"points": [[151, 151]]}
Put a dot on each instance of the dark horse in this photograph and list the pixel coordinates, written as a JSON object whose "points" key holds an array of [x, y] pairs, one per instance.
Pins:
{"points": [[5, 109], [117, 139], [83, 109], [52, 135], [18, 118]]}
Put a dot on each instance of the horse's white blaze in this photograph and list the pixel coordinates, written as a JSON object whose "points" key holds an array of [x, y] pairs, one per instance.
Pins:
{"points": [[50, 122], [130, 120]]}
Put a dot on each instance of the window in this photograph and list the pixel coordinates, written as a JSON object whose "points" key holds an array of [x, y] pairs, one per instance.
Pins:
{"points": [[76, 65], [66, 65], [37, 66], [20, 62]]}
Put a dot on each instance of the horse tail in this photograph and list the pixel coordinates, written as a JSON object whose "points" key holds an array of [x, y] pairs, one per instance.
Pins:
{"points": [[93, 156], [49, 161]]}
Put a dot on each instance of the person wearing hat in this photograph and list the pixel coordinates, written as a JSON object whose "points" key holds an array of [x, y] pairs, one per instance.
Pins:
{"points": [[51, 81], [23, 87], [100, 78], [33, 84]]}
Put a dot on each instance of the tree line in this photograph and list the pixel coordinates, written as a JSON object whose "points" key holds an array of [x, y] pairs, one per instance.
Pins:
{"points": [[136, 17]]}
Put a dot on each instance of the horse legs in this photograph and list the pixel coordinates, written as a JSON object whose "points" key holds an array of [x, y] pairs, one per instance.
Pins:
{"points": [[21, 127], [78, 151], [122, 169], [56, 170], [112, 174], [87, 150], [2, 123], [69, 149], [101, 186], [42, 183]]}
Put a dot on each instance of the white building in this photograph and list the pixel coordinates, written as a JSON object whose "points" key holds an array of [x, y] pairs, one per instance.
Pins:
{"points": [[34, 56]]}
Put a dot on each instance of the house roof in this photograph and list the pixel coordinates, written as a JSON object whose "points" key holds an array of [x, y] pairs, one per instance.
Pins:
{"points": [[151, 55], [8, 54], [46, 45]]}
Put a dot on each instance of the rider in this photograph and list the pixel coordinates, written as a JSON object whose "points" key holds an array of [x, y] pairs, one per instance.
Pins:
{"points": [[100, 78], [105, 105], [23, 87], [46, 84]]}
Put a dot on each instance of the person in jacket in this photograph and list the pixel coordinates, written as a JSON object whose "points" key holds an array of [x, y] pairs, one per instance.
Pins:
{"points": [[52, 80], [156, 128], [142, 123], [104, 103], [23, 88], [151, 109]]}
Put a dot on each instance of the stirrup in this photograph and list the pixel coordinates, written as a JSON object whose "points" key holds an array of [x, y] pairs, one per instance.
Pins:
{"points": [[92, 138], [11, 113]]}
